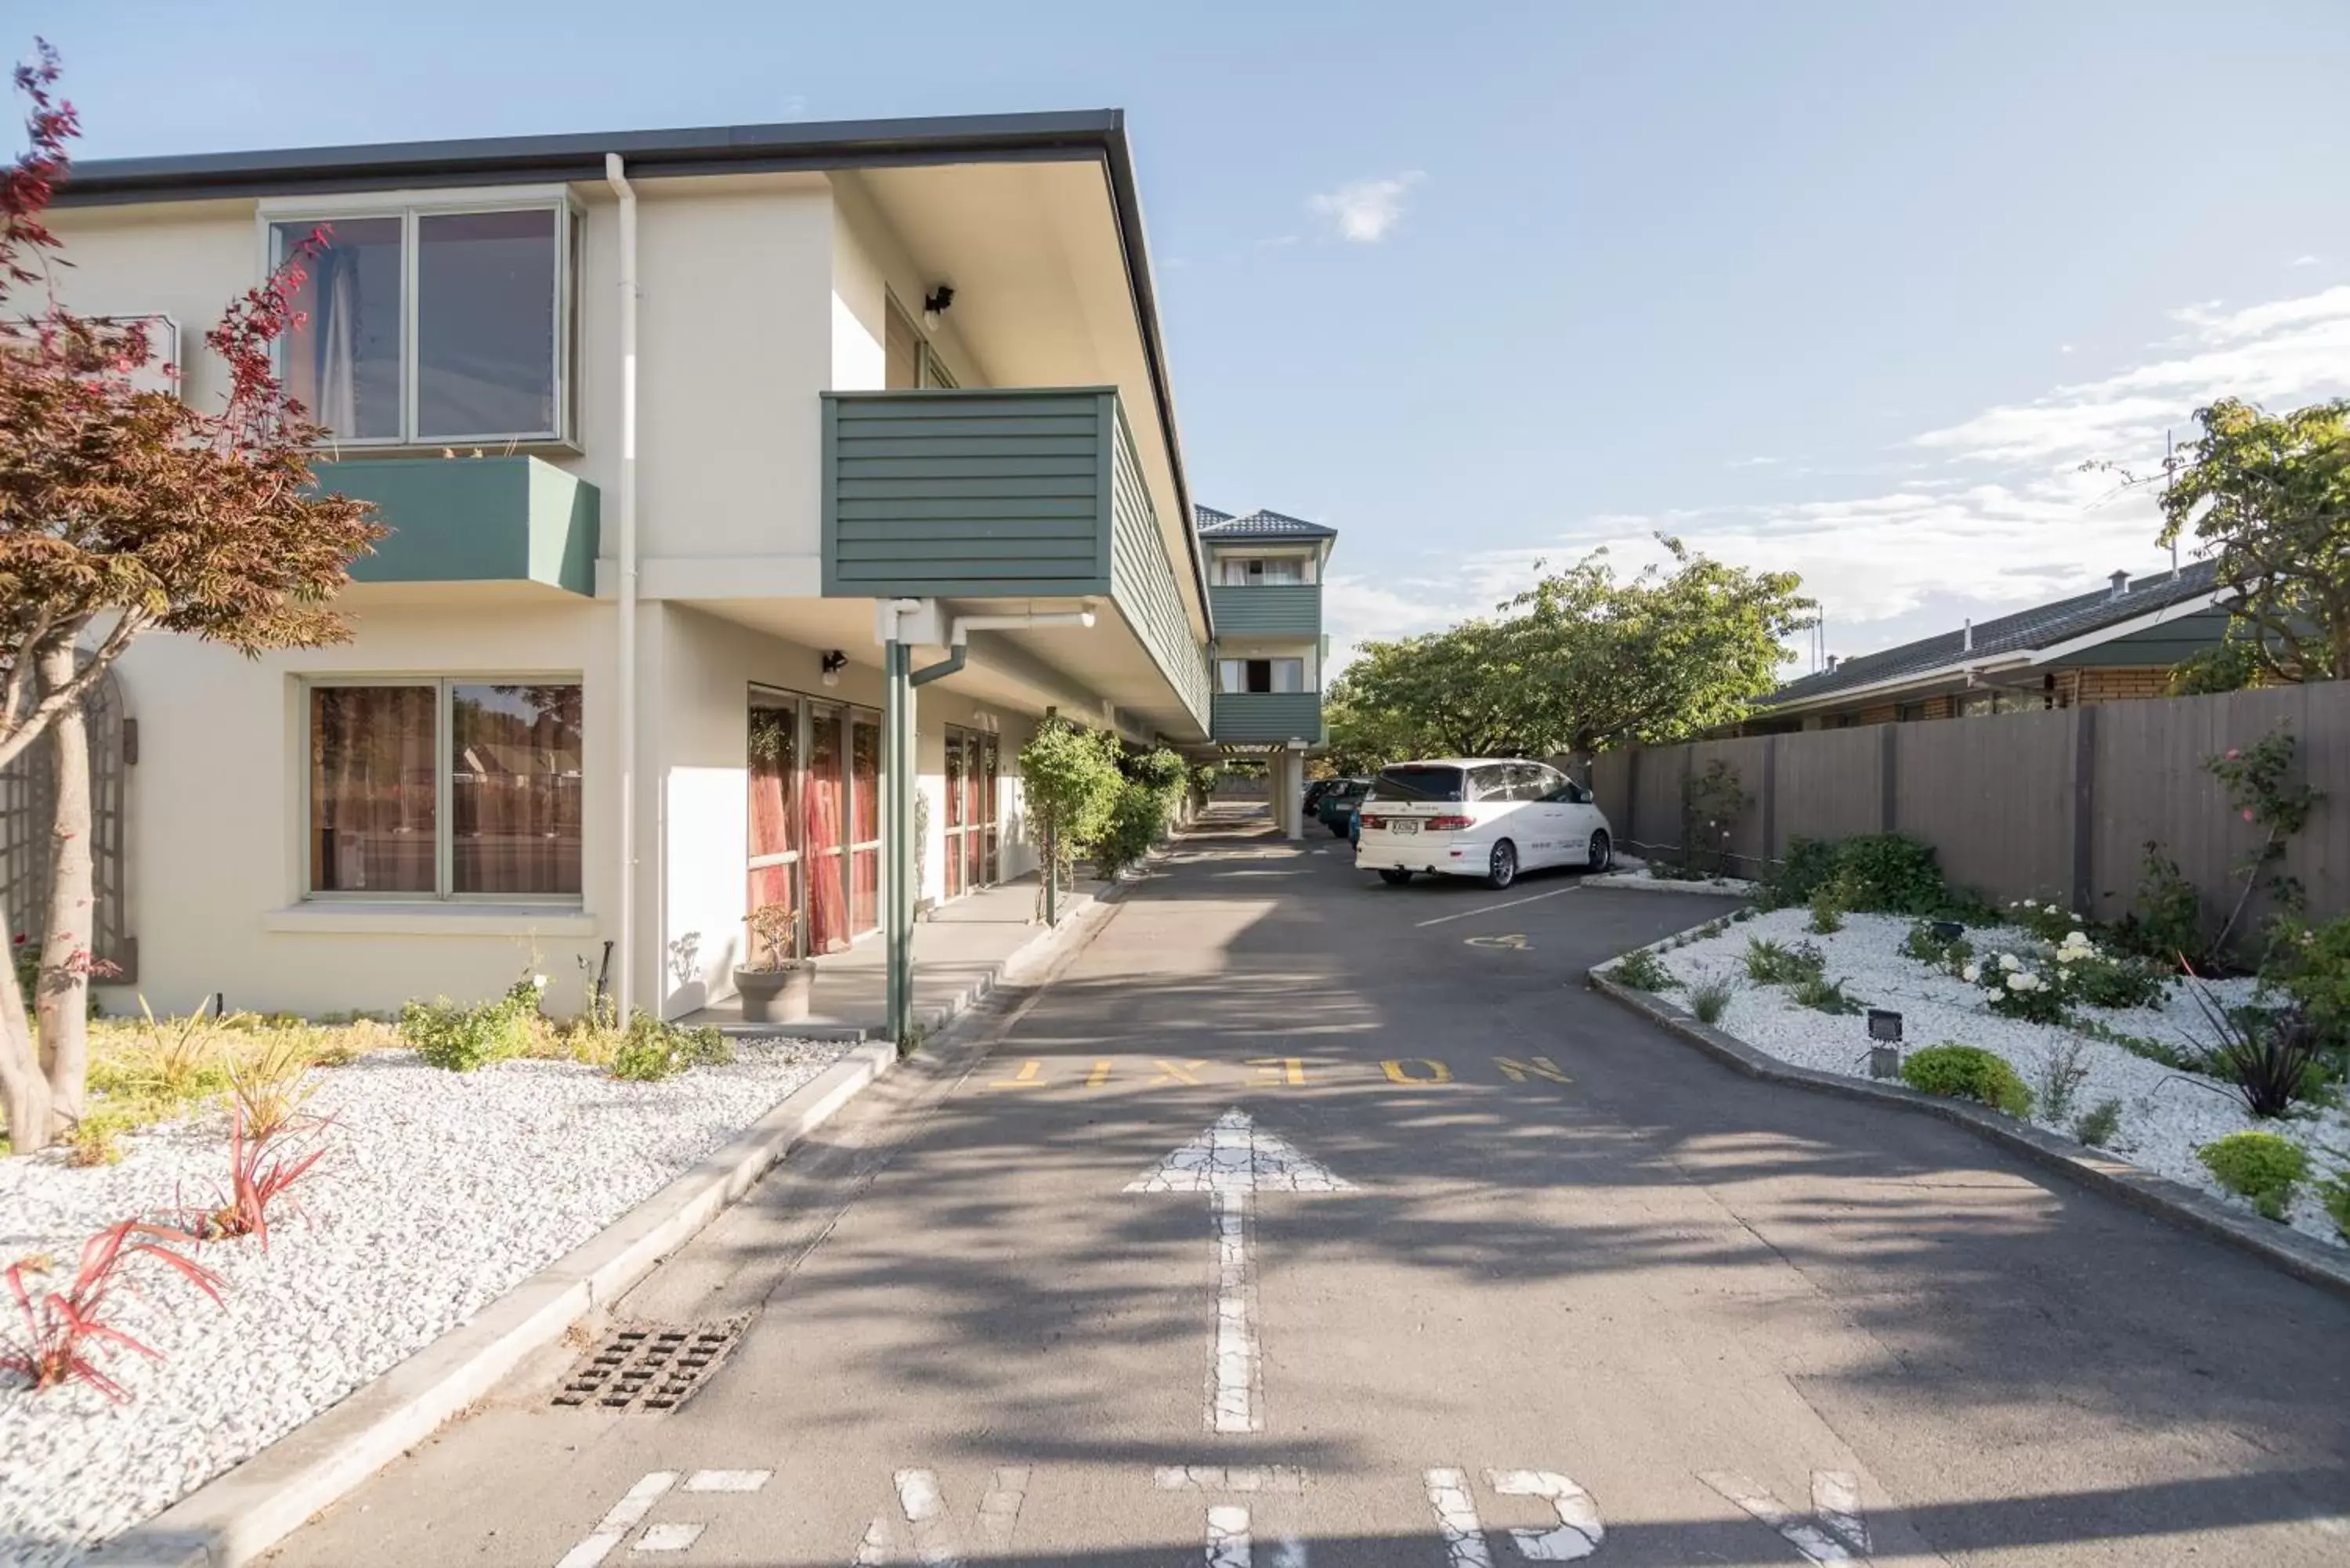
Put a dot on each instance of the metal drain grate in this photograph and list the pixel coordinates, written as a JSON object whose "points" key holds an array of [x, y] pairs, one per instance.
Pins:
{"points": [[647, 1368]]}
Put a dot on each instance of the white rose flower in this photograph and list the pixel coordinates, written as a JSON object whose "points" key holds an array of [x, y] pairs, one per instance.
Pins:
{"points": [[1970, 974], [2024, 982], [2009, 963], [2032, 903], [538, 981], [2076, 919], [2068, 955]]}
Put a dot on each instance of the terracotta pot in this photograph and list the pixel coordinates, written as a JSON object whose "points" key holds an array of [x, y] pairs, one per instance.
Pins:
{"points": [[775, 995]]}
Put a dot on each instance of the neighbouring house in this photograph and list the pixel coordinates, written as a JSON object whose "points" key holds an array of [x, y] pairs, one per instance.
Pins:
{"points": [[786, 391], [1264, 580], [2116, 644]]}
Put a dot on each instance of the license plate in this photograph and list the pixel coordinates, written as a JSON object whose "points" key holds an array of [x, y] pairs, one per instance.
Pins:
{"points": [[1403, 825]]}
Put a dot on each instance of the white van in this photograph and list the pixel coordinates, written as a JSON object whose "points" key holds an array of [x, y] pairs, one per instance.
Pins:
{"points": [[1479, 817]]}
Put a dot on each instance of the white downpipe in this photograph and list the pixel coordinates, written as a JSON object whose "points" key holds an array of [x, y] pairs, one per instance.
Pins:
{"points": [[616, 176]]}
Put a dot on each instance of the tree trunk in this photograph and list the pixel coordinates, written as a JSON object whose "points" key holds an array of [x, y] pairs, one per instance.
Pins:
{"points": [[62, 997], [23, 1091]]}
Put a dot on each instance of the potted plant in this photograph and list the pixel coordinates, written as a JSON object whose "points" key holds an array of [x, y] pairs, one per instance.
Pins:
{"points": [[775, 985]]}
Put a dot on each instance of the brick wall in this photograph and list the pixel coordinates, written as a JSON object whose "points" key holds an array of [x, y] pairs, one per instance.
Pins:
{"points": [[2089, 686]]}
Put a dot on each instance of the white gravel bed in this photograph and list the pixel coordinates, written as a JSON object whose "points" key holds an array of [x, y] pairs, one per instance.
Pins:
{"points": [[2166, 1114], [440, 1191], [1634, 872]]}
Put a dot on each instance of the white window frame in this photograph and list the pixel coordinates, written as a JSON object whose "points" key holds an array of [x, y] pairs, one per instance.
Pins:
{"points": [[409, 207], [444, 761]]}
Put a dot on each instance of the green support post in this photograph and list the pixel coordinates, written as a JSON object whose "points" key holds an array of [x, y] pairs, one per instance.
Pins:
{"points": [[898, 847]]}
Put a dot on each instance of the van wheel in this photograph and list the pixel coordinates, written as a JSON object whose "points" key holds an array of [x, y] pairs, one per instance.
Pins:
{"points": [[1502, 868], [1397, 877], [1603, 854]]}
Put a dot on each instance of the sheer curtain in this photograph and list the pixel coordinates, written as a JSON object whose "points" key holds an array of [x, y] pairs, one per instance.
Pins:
{"points": [[372, 812]]}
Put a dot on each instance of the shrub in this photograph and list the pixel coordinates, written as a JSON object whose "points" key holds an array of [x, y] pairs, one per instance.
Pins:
{"points": [[1922, 944], [2062, 1073], [2177, 1058], [1967, 1073], [460, 1039], [2101, 980], [1829, 900], [1710, 999], [1711, 804], [2049, 920], [2098, 1125], [1774, 963], [1643, 971], [2017, 989], [653, 1049], [96, 1137], [2333, 1197], [1889, 873], [2311, 964], [2268, 1058], [2164, 922], [2260, 1165], [1823, 995], [63, 1328], [1136, 820], [1808, 862]]}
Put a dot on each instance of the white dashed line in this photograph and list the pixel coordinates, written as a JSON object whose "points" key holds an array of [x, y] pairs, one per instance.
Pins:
{"points": [[1230, 1477], [668, 1538], [1228, 1537], [1490, 909], [727, 1480], [624, 1516]]}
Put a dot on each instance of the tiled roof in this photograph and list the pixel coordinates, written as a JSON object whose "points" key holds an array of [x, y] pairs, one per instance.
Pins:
{"points": [[2043, 625], [1206, 517], [1259, 524]]}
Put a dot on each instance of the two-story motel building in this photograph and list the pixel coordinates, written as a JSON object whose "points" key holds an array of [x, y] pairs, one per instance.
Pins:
{"points": [[671, 428]]}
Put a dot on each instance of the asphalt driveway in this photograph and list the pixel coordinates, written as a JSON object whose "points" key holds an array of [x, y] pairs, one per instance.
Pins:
{"points": [[1302, 1217]]}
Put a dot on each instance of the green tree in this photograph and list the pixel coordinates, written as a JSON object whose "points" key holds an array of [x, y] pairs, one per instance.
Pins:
{"points": [[125, 509], [1069, 780], [2268, 497], [1579, 661]]}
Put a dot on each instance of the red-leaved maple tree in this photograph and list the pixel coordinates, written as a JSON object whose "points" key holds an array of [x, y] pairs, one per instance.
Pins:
{"points": [[126, 509]]}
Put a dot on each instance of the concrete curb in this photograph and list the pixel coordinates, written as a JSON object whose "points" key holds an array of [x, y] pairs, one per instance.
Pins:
{"points": [[2181, 1205], [930, 1020], [237, 1517]]}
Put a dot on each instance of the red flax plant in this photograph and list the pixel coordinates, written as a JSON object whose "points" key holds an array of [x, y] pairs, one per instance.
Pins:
{"points": [[126, 509], [64, 1328], [260, 1171]]}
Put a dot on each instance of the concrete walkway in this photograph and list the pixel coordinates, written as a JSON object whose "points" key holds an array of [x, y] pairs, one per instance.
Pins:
{"points": [[960, 949]]}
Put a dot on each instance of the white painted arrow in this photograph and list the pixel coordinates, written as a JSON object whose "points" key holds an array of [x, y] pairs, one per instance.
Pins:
{"points": [[1233, 1161]]}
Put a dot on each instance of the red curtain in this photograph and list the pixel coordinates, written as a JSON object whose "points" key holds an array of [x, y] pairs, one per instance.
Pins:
{"points": [[373, 816], [514, 797]]}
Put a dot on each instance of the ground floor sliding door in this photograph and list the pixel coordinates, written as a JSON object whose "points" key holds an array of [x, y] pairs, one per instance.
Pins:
{"points": [[975, 852], [816, 815]]}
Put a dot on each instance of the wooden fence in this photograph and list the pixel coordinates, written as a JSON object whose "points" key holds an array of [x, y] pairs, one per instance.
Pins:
{"points": [[2054, 805]]}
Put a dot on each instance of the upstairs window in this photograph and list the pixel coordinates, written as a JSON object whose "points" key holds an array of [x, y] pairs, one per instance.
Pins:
{"points": [[1263, 571], [1244, 675], [435, 323]]}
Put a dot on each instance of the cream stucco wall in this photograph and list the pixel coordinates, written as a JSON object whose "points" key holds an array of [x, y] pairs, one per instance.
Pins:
{"points": [[217, 810]]}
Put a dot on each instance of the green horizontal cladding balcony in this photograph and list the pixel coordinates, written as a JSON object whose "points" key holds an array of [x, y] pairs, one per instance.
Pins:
{"points": [[1267, 717], [988, 492], [472, 520], [1267, 609]]}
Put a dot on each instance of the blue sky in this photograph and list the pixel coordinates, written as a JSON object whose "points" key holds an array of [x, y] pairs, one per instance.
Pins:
{"points": [[1847, 288]]}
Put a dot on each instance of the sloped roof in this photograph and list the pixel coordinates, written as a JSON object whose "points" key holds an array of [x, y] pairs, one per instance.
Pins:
{"points": [[2025, 631], [1259, 524], [1206, 517]]}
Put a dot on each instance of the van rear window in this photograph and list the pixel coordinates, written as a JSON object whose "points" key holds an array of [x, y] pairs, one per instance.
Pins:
{"points": [[1416, 783]]}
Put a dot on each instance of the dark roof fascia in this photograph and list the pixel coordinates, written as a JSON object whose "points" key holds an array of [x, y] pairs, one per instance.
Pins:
{"points": [[814, 146]]}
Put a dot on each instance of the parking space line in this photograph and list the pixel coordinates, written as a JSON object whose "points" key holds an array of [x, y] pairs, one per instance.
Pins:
{"points": [[1514, 903]]}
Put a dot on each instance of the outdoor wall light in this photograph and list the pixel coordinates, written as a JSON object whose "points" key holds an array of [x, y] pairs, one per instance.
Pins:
{"points": [[935, 305], [834, 662], [1947, 930]]}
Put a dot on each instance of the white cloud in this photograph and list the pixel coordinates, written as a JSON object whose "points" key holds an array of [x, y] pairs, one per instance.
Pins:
{"points": [[1365, 211], [2009, 518], [2064, 347], [2302, 261], [1755, 462]]}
